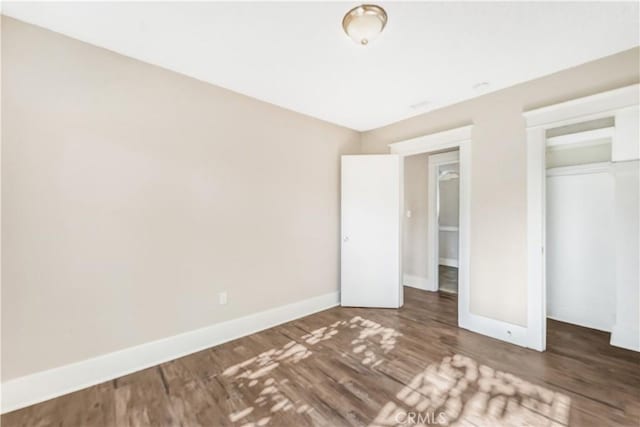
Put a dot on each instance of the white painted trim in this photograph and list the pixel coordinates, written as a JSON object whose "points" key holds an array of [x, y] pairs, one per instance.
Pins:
{"points": [[588, 168], [604, 104], [536, 282], [626, 143], [514, 334], [586, 108], [449, 228], [416, 282], [433, 142], [600, 136], [465, 318], [433, 246], [433, 238], [28, 390], [592, 143], [449, 262], [624, 337]]}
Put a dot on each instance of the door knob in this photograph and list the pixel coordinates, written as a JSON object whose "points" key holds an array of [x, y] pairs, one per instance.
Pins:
{"points": [[345, 239]]}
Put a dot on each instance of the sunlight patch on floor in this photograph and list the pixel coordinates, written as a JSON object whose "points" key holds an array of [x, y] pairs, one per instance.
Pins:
{"points": [[456, 392], [459, 392], [372, 338]]}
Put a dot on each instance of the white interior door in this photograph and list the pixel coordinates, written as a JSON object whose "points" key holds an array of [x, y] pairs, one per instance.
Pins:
{"points": [[372, 199]]}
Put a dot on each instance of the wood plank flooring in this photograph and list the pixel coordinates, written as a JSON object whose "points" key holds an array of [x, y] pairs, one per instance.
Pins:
{"points": [[448, 279], [369, 367]]}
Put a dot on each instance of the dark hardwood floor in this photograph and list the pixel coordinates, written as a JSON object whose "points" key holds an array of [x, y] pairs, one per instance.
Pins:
{"points": [[369, 367], [448, 279]]}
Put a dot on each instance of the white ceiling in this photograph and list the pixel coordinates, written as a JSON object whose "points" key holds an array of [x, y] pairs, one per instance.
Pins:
{"points": [[295, 54]]}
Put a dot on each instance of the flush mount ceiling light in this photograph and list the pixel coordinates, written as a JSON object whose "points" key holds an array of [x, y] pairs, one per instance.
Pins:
{"points": [[364, 23]]}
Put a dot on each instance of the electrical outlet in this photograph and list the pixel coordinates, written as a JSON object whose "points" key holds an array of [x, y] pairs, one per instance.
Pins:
{"points": [[222, 298]]}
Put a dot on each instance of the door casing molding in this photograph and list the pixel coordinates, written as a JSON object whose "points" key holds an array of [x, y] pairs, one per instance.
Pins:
{"points": [[461, 138], [620, 103]]}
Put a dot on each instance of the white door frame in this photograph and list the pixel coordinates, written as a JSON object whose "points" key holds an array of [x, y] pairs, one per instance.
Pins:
{"points": [[455, 138], [462, 138], [620, 103], [433, 207]]}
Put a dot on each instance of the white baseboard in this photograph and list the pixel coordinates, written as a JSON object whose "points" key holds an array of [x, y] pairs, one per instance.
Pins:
{"points": [[416, 282], [504, 331], [628, 337], [449, 262], [30, 389]]}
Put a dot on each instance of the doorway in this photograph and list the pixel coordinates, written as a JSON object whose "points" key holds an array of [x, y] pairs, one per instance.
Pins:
{"points": [[444, 168], [453, 146], [362, 178], [580, 248], [620, 108], [431, 224]]}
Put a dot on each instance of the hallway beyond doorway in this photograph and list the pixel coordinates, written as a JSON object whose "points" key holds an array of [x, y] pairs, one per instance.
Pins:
{"points": [[448, 279]]}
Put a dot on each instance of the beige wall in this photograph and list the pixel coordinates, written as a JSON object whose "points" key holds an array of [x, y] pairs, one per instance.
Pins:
{"points": [[449, 195], [133, 195], [414, 243], [498, 200]]}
